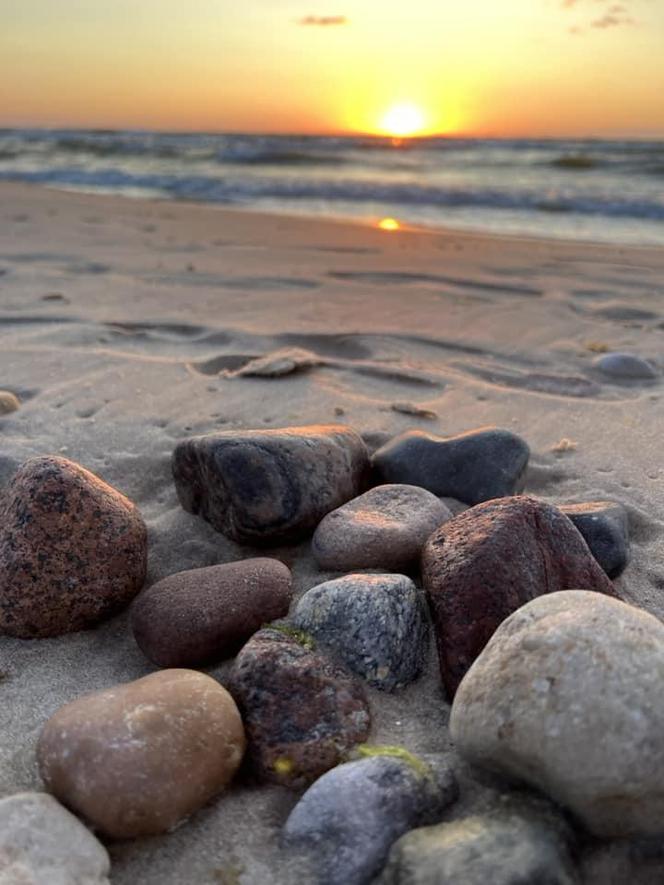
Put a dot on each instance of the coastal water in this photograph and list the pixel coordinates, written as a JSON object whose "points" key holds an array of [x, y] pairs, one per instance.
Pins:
{"points": [[611, 191]]}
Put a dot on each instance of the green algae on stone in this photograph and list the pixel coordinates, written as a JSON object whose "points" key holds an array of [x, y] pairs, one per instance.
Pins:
{"points": [[300, 636], [365, 751]]}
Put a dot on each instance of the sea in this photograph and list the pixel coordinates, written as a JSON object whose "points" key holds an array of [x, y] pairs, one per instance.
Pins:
{"points": [[588, 189]]}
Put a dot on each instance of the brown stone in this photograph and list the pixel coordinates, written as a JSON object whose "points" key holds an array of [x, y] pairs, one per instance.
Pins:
{"points": [[489, 561], [206, 614], [137, 759], [73, 550]]}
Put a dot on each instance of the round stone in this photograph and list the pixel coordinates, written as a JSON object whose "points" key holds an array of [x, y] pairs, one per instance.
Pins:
{"points": [[626, 366], [605, 529], [9, 402]]}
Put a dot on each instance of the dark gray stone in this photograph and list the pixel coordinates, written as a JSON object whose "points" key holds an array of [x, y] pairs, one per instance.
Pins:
{"points": [[268, 486], [347, 821], [374, 623], [473, 467], [605, 528], [625, 366]]}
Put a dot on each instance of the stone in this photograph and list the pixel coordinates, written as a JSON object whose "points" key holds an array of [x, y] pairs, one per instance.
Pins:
{"points": [[376, 624], [566, 697], [302, 712], [472, 467], [605, 529], [270, 486], [347, 821], [204, 615], [385, 528], [73, 550], [625, 366], [137, 759], [523, 840], [9, 402], [488, 561], [41, 843]]}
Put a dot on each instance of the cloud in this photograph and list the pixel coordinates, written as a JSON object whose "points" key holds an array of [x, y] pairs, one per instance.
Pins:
{"points": [[614, 15], [612, 20], [323, 21]]}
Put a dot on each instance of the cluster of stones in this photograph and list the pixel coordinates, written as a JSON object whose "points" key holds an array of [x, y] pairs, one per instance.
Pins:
{"points": [[524, 616]]}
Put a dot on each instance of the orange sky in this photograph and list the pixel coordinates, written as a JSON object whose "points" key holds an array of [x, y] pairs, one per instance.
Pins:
{"points": [[501, 67]]}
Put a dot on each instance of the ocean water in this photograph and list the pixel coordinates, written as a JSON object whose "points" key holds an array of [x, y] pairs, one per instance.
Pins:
{"points": [[609, 191]]}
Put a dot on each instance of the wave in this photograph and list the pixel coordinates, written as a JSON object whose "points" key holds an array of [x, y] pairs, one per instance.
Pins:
{"points": [[576, 162]]}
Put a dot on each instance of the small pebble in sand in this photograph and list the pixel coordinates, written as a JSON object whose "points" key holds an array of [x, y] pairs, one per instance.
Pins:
{"points": [[384, 528], [605, 528], [268, 486], [473, 467], [563, 446], [625, 366], [346, 822], [566, 697], [41, 843], [206, 614], [485, 563], [374, 623], [137, 759], [9, 402], [73, 550], [302, 711]]}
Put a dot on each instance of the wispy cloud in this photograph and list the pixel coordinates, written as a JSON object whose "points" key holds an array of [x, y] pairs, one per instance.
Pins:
{"points": [[323, 21], [614, 15]]}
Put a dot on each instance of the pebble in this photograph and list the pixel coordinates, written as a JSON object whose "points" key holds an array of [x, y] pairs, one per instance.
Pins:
{"points": [[605, 529], [203, 615], [41, 843], [9, 402], [485, 563], [625, 366], [73, 550], [302, 712], [376, 624], [473, 467], [137, 759], [384, 528], [269, 486], [566, 697], [347, 821]]}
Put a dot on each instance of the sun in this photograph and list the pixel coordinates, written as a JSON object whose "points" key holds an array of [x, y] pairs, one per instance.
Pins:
{"points": [[403, 120]]}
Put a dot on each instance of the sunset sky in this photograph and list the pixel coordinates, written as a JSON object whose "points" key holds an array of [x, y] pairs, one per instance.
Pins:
{"points": [[499, 67]]}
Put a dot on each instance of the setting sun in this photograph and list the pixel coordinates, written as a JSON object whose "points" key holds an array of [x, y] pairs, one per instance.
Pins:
{"points": [[402, 120]]}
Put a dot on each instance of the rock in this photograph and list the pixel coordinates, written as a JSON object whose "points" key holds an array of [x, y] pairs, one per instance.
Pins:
{"points": [[375, 623], [473, 467], [625, 366], [347, 821], [385, 528], [206, 614], [522, 841], [567, 697], [41, 843], [302, 712], [487, 562], [137, 759], [267, 486], [605, 529], [73, 550], [9, 402]]}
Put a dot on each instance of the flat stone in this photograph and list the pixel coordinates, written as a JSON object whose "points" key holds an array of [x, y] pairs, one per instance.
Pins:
{"points": [[605, 529], [302, 711], [487, 562], [41, 843], [384, 528], [376, 624], [269, 486], [566, 697], [346, 822], [206, 614], [9, 402], [137, 759], [626, 366], [472, 467], [73, 550]]}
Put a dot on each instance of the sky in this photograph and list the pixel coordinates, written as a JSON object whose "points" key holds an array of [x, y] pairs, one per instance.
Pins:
{"points": [[461, 67]]}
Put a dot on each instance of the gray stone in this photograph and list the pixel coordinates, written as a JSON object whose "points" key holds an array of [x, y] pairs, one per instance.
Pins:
{"points": [[41, 843], [625, 366], [268, 486], [385, 528], [347, 821], [566, 696], [374, 623], [473, 467], [605, 528]]}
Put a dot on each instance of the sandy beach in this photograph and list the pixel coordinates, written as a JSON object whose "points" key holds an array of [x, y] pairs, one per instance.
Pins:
{"points": [[123, 322]]}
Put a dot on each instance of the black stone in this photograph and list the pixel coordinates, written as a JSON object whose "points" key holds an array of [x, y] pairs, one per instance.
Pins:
{"points": [[605, 529]]}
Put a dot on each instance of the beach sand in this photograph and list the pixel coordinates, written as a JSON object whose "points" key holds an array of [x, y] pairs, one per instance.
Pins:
{"points": [[117, 317]]}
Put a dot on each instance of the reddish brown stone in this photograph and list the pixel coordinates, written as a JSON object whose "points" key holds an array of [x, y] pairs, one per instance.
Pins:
{"points": [[301, 711], [489, 561], [73, 550], [206, 614]]}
